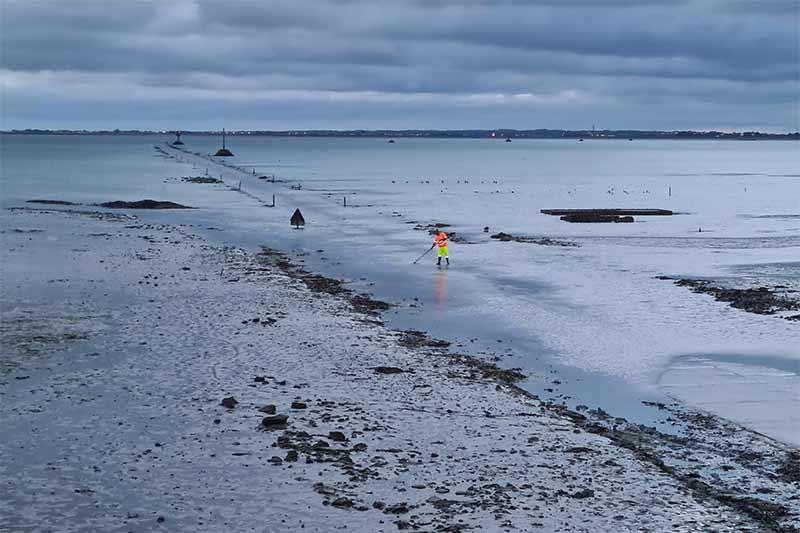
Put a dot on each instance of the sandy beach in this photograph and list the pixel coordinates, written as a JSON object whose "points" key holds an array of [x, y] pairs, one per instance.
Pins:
{"points": [[146, 368]]}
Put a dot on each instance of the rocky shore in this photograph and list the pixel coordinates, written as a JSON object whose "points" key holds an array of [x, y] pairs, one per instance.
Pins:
{"points": [[760, 300], [155, 381]]}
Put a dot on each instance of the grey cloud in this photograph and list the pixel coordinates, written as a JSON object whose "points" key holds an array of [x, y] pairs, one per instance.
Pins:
{"points": [[612, 53]]}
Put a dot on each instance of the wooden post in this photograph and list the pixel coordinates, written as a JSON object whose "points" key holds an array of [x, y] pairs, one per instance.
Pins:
{"points": [[273, 200], [670, 191], [345, 201]]}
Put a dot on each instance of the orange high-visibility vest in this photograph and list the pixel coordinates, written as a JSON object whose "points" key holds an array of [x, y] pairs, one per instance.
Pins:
{"points": [[440, 239]]}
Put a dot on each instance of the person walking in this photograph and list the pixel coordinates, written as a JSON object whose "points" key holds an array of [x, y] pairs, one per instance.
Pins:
{"points": [[440, 239]]}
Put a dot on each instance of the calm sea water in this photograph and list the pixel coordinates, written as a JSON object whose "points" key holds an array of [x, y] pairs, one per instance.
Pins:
{"points": [[82, 167]]}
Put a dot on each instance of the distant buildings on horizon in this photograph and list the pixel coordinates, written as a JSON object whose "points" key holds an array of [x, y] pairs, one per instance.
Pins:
{"points": [[456, 134]]}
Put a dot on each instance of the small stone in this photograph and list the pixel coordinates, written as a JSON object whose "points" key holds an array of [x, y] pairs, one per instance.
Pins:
{"points": [[291, 456], [337, 436], [321, 444], [229, 402], [378, 505], [360, 447], [398, 508], [260, 379], [275, 460], [583, 493], [579, 449], [299, 405], [323, 489], [268, 409], [276, 420], [217, 420], [388, 370], [160, 519], [342, 502]]}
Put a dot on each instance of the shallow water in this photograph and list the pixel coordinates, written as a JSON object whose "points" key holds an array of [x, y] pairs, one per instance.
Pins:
{"points": [[591, 317]]}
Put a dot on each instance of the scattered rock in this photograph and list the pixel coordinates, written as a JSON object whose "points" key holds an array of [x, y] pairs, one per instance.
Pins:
{"points": [[274, 421], [759, 300], [790, 470], [276, 460], [506, 237], [583, 493], [299, 405], [323, 489], [398, 508], [291, 456], [342, 502], [267, 409], [412, 338], [388, 370], [200, 179], [229, 402], [579, 449], [337, 436]]}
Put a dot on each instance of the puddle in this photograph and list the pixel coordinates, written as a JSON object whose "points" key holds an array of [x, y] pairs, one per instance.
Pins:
{"points": [[761, 392]]}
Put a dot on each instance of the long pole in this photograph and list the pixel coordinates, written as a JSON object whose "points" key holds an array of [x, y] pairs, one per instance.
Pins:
{"points": [[423, 255]]}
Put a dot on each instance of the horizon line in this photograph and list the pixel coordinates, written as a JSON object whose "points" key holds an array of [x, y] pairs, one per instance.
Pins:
{"points": [[489, 132]]}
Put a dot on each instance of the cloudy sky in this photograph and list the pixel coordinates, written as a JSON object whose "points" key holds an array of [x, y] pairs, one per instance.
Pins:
{"points": [[305, 64]]}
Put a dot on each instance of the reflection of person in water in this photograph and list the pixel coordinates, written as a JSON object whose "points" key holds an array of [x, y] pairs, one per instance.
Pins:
{"points": [[440, 289]]}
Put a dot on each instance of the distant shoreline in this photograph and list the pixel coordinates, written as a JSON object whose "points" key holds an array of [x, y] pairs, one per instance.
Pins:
{"points": [[499, 134]]}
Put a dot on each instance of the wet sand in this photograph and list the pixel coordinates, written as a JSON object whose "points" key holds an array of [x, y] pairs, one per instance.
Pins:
{"points": [[123, 338]]}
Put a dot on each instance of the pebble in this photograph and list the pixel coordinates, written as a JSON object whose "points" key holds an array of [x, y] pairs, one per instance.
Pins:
{"points": [[229, 402], [275, 420], [337, 436]]}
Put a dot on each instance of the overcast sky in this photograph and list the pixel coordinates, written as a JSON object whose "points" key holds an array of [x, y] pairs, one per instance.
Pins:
{"points": [[313, 64]]}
